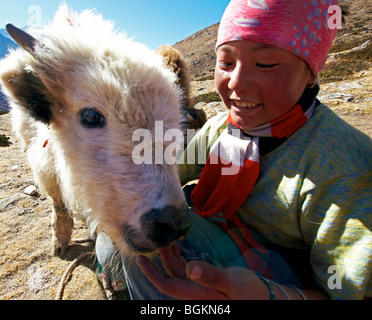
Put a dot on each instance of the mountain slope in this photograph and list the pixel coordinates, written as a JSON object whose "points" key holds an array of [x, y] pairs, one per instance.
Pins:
{"points": [[5, 45], [199, 52]]}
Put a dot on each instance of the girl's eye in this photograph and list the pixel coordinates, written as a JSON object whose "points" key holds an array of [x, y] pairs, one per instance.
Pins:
{"points": [[265, 66], [225, 65]]}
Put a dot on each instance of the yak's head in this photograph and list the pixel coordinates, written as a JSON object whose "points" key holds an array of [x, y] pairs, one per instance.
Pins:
{"points": [[109, 104]]}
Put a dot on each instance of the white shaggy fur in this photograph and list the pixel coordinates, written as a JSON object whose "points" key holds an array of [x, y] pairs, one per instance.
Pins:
{"points": [[81, 62]]}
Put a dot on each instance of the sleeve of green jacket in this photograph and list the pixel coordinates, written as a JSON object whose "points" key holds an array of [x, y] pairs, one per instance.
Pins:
{"points": [[336, 220], [195, 156]]}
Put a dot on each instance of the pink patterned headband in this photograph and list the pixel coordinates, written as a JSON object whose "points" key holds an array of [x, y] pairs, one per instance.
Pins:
{"points": [[300, 27]]}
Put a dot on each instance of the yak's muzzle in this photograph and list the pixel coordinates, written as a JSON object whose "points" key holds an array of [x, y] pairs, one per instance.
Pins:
{"points": [[159, 228]]}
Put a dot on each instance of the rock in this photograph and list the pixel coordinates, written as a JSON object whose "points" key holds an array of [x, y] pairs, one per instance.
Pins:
{"points": [[31, 191], [200, 105], [7, 203], [337, 95], [212, 104], [40, 279], [363, 46], [350, 85]]}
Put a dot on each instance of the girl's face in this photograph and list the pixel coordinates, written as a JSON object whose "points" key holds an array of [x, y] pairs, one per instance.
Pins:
{"points": [[258, 83]]}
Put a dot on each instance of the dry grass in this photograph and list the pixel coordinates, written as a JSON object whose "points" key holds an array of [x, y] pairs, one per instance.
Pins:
{"points": [[345, 64]]}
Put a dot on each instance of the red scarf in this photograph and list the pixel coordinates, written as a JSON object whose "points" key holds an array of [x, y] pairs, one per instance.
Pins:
{"points": [[232, 170]]}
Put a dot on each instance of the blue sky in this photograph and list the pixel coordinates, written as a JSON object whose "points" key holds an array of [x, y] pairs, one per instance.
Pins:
{"points": [[152, 22]]}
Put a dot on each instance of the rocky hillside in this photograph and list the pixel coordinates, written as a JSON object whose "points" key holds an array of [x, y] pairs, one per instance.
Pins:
{"points": [[199, 52], [3, 103]]}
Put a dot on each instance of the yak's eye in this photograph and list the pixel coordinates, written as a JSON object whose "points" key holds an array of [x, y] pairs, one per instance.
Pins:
{"points": [[91, 118]]}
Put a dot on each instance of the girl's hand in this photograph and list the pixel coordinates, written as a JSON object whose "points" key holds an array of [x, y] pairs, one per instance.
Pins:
{"points": [[198, 280]]}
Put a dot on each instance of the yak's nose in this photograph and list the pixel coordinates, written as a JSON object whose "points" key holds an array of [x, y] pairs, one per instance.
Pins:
{"points": [[165, 233], [166, 225]]}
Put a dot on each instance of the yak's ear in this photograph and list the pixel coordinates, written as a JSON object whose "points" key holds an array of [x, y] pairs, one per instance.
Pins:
{"points": [[29, 92], [22, 83], [25, 40]]}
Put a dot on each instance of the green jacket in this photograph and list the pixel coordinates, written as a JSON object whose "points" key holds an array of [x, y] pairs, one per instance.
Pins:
{"points": [[314, 192]]}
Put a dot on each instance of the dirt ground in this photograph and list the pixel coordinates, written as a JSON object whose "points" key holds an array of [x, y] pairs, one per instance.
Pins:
{"points": [[28, 270]]}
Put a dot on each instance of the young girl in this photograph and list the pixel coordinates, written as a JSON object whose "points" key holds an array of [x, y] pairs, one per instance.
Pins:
{"points": [[282, 209]]}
